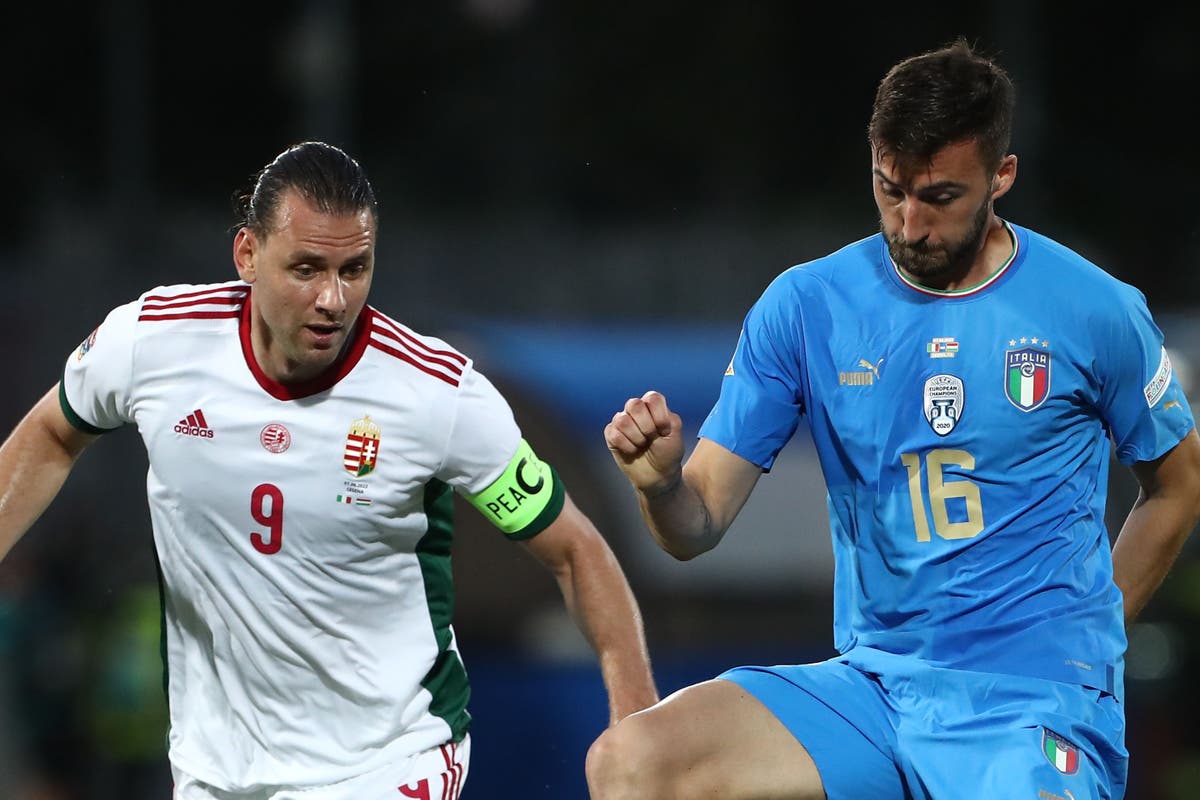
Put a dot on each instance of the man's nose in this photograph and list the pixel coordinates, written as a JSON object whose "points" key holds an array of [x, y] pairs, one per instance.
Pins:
{"points": [[915, 219], [332, 296]]}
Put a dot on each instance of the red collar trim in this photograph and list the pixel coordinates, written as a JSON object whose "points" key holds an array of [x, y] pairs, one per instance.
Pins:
{"points": [[359, 339]]}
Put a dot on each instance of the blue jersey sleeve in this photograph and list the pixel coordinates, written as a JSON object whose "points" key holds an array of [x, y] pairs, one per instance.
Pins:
{"points": [[1141, 400], [761, 398]]}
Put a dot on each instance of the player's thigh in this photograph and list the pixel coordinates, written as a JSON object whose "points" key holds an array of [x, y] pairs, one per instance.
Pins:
{"points": [[710, 740], [842, 718]]}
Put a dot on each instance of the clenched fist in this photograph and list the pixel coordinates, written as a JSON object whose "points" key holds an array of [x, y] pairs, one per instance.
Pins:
{"points": [[646, 441]]}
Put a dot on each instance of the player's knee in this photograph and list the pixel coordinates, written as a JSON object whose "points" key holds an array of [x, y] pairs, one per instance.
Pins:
{"points": [[618, 764], [603, 767]]}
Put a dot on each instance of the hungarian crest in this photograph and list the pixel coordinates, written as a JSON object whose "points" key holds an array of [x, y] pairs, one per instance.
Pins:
{"points": [[1027, 377], [943, 403], [362, 447]]}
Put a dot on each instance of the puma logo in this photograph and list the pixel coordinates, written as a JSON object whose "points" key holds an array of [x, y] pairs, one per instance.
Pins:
{"points": [[864, 378], [862, 362]]}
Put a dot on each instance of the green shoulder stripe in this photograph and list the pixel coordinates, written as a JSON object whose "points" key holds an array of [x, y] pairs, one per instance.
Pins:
{"points": [[525, 499]]}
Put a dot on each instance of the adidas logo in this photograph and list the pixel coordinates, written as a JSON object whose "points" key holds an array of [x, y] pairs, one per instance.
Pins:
{"points": [[194, 425]]}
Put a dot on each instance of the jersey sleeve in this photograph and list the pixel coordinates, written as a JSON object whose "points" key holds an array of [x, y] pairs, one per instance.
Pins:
{"points": [[1142, 403], [494, 468], [760, 402], [98, 377]]}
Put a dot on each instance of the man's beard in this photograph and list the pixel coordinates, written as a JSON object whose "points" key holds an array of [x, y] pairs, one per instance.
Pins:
{"points": [[934, 264]]}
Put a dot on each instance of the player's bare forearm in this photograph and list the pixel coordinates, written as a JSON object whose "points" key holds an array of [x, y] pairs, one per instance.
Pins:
{"points": [[34, 463], [1166, 512], [679, 520], [690, 515], [599, 599], [603, 606]]}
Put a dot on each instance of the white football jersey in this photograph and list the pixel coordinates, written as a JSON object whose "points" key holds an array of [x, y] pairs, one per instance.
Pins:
{"points": [[304, 532]]}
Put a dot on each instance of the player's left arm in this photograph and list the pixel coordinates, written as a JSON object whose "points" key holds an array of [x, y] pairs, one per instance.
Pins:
{"points": [[1165, 513], [601, 602]]}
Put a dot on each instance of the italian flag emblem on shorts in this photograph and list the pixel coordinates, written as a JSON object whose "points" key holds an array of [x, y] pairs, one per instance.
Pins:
{"points": [[1061, 753]]}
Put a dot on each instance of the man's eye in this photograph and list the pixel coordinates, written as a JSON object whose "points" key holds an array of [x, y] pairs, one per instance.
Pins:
{"points": [[943, 199], [304, 270]]}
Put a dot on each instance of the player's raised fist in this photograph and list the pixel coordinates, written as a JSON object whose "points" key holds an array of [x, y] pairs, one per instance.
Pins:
{"points": [[646, 440]]}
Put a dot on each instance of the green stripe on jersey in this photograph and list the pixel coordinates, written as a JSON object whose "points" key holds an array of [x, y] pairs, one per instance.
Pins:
{"points": [[447, 679], [526, 498], [77, 421]]}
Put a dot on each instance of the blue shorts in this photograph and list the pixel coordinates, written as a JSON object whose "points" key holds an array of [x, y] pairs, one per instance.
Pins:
{"points": [[894, 728]]}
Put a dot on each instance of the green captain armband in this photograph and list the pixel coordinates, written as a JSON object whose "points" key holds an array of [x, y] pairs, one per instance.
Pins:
{"points": [[526, 498]]}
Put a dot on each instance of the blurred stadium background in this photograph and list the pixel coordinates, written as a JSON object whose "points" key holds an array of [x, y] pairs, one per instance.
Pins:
{"points": [[586, 198]]}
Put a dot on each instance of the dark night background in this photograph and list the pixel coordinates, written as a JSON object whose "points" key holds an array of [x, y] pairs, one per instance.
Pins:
{"points": [[585, 197]]}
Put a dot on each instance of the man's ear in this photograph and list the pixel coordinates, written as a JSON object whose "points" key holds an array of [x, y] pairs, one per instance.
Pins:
{"points": [[1002, 181], [245, 247]]}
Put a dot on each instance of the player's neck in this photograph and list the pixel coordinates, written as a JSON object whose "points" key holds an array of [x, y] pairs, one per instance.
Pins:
{"points": [[277, 365]]}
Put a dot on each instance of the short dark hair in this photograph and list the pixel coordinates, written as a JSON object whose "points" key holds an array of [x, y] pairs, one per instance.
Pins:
{"points": [[943, 97], [322, 174]]}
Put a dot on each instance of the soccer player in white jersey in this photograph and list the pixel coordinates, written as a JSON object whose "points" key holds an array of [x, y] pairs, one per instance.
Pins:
{"points": [[303, 452]]}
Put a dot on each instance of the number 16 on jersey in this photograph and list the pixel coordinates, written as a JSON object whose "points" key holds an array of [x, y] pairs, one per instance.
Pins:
{"points": [[942, 494]]}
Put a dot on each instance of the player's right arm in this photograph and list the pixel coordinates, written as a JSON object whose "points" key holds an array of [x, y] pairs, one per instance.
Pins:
{"points": [[34, 463], [687, 507]]}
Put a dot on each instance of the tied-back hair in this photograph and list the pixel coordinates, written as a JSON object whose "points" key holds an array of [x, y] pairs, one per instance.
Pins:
{"points": [[942, 97], [322, 174]]}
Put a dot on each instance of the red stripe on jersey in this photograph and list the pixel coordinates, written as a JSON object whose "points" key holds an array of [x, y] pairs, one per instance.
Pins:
{"points": [[200, 418], [215, 290], [448, 782], [399, 330], [456, 773], [216, 301], [155, 316], [419, 365], [449, 367]]}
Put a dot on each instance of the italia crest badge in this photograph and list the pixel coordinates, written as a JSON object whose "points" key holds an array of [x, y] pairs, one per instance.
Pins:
{"points": [[362, 447], [1059, 752], [1027, 377]]}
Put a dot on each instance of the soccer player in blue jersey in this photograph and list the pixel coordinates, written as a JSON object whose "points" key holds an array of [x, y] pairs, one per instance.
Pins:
{"points": [[962, 377]]}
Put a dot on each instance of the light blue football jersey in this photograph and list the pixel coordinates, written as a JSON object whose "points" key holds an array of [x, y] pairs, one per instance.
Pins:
{"points": [[964, 439]]}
